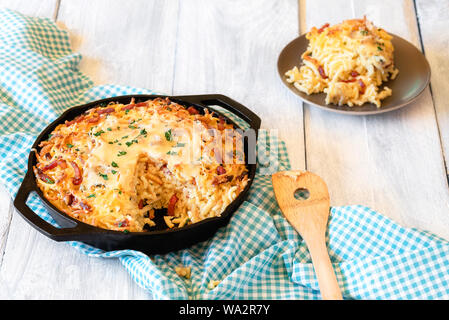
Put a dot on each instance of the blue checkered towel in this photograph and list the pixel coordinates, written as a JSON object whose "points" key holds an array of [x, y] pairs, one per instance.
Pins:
{"points": [[258, 255]]}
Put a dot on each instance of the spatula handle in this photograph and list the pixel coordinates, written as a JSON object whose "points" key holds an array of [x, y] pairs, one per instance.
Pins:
{"points": [[323, 269]]}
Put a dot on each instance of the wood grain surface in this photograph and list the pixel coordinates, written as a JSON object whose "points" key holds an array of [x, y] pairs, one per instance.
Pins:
{"points": [[394, 163]]}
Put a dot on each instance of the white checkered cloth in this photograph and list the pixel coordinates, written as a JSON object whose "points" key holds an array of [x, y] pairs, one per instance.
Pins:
{"points": [[258, 255]]}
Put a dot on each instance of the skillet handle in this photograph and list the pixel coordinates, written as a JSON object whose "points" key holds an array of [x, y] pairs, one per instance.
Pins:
{"points": [[44, 227], [227, 103]]}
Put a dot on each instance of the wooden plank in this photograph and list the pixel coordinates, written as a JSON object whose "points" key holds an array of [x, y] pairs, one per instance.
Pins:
{"points": [[37, 8], [391, 162], [123, 43], [6, 212], [433, 18], [232, 49]]}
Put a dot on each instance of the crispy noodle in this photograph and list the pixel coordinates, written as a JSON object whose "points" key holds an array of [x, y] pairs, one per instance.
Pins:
{"points": [[114, 165], [348, 62]]}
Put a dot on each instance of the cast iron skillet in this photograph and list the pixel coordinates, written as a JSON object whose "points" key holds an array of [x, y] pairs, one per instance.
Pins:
{"points": [[150, 242]]}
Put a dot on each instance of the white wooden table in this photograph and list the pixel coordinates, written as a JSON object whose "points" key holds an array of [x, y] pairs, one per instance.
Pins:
{"points": [[395, 163]]}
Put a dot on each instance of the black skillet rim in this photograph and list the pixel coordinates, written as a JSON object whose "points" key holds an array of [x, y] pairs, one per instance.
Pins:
{"points": [[197, 101]]}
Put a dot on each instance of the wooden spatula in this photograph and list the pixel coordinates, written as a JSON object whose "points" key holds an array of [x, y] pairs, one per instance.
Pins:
{"points": [[309, 217]]}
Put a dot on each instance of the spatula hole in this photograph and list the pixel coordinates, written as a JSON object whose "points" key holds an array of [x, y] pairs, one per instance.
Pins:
{"points": [[301, 194]]}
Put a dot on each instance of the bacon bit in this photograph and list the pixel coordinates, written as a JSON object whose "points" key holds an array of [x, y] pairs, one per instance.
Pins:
{"points": [[347, 81], [322, 73], [362, 86], [323, 27], [54, 164], [93, 120], [140, 204], [77, 119], [171, 205], [68, 199], [333, 31], [47, 156], [107, 110], [354, 74], [192, 110], [77, 179], [141, 104], [44, 177], [123, 224], [50, 166], [221, 124], [222, 179], [129, 106], [165, 170], [221, 170]]}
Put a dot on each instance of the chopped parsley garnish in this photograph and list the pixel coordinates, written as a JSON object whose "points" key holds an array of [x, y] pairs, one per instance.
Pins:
{"points": [[168, 135], [91, 195], [104, 176], [124, 137], [109, 129], [113, 171], [121, 153], [143, 132], [98, 133], [126, 111], [180, 145], [132, 127], [49, 181], [114, 164], [364, 32], [69, 145], [77, 149], [379, 48], [172, 153], [129, 143]]}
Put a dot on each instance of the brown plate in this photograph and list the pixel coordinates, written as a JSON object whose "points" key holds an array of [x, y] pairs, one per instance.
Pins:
{"points": [[413, 77]]}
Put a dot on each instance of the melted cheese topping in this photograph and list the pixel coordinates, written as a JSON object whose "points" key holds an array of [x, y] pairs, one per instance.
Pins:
{"points": [[114, 165], [348, 62]]}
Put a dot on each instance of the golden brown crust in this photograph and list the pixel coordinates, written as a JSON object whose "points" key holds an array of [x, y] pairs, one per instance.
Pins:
{"points": [[113, 165]]}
